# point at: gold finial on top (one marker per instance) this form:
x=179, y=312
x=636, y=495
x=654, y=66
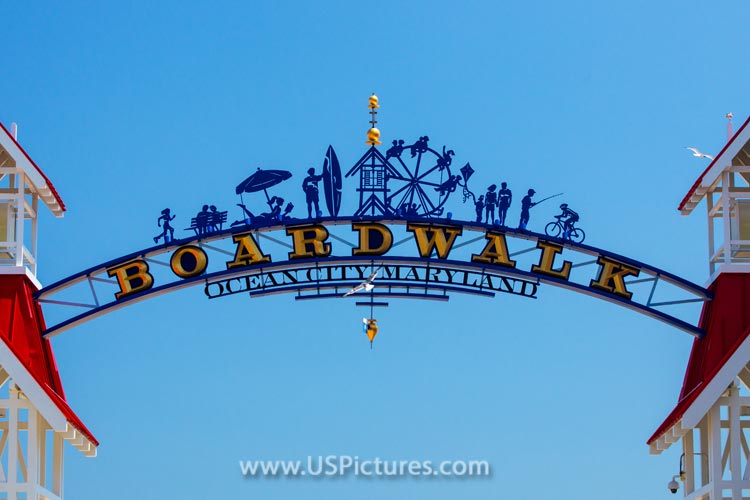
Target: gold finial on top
x=373, y=135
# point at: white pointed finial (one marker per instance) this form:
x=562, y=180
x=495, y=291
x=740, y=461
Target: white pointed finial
x=730, y=128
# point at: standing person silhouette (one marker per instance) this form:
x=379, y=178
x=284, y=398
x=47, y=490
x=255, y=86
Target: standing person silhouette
x=505, y=197
x=166, y=228
x=310, y=187
x=490, y=199
x=526, y=204
x=479, y=207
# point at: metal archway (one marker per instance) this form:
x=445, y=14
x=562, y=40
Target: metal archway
x=324, y=257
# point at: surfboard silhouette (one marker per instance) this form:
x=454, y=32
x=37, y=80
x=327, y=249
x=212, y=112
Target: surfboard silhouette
x=332, y=182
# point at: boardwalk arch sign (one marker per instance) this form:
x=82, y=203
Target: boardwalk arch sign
x=420, y=230
x=416, y=259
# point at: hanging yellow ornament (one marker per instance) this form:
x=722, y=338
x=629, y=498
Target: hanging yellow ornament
x=370, y=328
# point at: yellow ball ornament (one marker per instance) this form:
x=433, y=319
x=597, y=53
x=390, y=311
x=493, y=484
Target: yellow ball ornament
x=373, y=137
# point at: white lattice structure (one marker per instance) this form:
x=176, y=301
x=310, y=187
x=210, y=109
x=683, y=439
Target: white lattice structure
x=722, y=433
x=712, y=416
x=35, y=419
x=725, y=185
x=22, y=186
x=31, y=451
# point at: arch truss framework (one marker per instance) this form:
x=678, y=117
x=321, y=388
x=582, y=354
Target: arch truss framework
x=325, y=257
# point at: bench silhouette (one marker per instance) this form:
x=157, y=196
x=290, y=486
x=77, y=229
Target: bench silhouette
x=207, y=223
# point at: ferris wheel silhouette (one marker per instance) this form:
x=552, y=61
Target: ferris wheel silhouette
x=423, y=181
x=409, y=181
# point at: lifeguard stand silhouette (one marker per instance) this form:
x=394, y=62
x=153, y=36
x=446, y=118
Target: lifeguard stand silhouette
x=35, y=419
x=374, y=171
x=712, y=415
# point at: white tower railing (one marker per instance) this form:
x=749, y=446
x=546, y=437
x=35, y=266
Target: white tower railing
x=35, y=420
x=22, y=187
x=18, y=209
x=726, y=187
x=728, y=207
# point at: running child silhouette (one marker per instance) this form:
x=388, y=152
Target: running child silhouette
x=166, y=228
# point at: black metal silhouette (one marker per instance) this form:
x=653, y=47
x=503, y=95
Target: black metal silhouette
x=449, y=186
x=216, y=219
x=201, y=220
x=564, y=226
x=395, y=150
x=420, y=146
x=479, y=207
x=208, y=220
x=167, y=230
x=526, y=205
x=505, y=197
x=445, y=160
x=261, y=180
x=274, y=215
x=467, y=172
x=549, y=197
x=374, y=171
x=287, y=210
x=555, y=230
x=409, y=189
x=310, y=187
x=410, y=197
x=332, y=182
x=412, y=210
x=490, y=200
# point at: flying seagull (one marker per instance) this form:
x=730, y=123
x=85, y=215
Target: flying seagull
x=699, y=154
x=365, y=285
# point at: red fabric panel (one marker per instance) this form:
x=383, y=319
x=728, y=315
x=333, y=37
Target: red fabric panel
x=21, y=327
x=726, y=321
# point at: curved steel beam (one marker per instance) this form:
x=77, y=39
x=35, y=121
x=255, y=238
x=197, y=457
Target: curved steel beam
x=90, y=278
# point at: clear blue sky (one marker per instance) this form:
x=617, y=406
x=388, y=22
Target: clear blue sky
x=149, y=104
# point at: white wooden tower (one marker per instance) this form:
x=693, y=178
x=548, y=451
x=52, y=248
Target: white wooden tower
x=712, y=417
x=725, y=186
x=35, y=418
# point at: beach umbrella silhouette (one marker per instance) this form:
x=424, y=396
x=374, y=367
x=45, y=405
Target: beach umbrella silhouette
x=262, y=180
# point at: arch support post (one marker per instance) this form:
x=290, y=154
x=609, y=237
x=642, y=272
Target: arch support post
x=715, y=453
x=34, y=467
x=712, y=416
x=35, y=419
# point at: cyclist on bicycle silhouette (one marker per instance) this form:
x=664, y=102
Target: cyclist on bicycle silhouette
x=568, y=218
